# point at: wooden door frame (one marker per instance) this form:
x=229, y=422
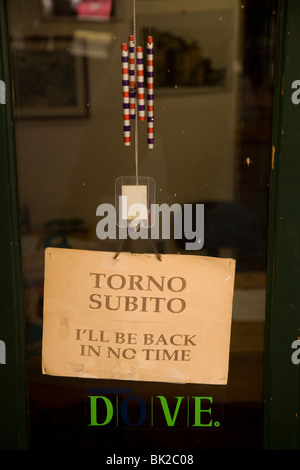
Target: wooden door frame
x=282, y=391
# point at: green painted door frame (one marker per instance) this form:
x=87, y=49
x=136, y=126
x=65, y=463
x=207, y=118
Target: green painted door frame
x=282, y=391
x=13, y=403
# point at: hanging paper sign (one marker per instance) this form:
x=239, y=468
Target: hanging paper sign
x=135, y=317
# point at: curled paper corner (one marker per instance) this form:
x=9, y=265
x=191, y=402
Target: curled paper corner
x=46, y=370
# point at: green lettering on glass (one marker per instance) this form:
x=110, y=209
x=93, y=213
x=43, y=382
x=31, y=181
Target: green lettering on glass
x=93, y=407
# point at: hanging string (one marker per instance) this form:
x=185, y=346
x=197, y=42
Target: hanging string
x=136, y=138
x=149, y=16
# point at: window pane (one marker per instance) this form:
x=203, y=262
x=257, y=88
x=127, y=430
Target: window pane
x=213, y=91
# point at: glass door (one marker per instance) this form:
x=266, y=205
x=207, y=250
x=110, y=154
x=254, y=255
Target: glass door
x=214, y=79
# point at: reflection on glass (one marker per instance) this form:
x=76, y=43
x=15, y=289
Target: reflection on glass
x=213, y=112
